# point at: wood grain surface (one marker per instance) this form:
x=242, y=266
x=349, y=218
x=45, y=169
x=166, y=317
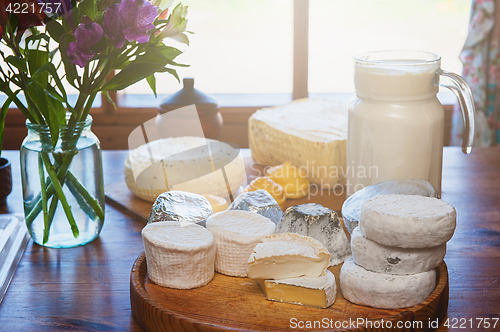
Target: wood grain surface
x=158, y=308
x=88, y=288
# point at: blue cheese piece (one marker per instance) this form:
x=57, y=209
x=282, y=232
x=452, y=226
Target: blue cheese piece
x=393, y=260
x=321, y=223
x=407, y=221
x=260, y=202
x=351, y=208
x=384, y=291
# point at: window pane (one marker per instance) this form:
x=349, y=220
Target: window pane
x=341, y=29
x=239, y=46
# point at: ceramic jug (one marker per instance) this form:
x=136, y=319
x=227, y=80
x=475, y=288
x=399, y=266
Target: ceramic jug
x=396, y=122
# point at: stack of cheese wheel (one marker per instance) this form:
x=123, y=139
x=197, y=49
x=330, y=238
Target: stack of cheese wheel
x=292, y=268
x=399, y=242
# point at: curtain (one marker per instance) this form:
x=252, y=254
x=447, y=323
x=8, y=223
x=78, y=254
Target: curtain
x=481, y=70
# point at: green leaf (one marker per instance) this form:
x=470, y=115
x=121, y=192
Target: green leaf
x=110, y=100
x=132, y=74
x=55, y=30
x=3, y=113
x=173, y=72
x=51, y=69
x=34, y=38
x=70, y=68
x=36, y=60
x=88, y=7
x=49, y=107
x=152, y=83
x=18, y=62
x=166, y=52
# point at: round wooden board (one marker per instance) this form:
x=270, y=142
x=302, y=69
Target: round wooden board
x=230, y=304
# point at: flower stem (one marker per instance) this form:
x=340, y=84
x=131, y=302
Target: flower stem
x=52, y=212
x=60, y=193
x=91, y=201
x=44, y=196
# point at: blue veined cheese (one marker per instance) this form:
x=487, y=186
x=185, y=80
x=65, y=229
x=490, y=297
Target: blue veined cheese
x=236, y=234
x=385, y=291
x=407, y=221
x=393, y=260
x=311, y=134
x=321, y=223
x=315, y=292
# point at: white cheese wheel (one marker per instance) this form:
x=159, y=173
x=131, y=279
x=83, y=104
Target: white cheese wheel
x=288, y=255
x=311, y=134
x=407, y=221
x=315, y=292
x=321, y=223
x=236, y=234
x=192, y=164
x=179, y=256
x=385, y=291
x=393, y=260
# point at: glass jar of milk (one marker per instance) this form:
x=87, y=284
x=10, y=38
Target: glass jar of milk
x=396, y=122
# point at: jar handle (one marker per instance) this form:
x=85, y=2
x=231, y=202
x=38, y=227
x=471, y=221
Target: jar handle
x=461, y=89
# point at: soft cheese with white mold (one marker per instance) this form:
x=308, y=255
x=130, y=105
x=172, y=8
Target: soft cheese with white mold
x=393, y=260
x=315, y=292
x=236, y=234
x=179, y=256
x=407, y=221
x=288, y=255
x=321, y=223
x=311, y=134
x=385, y=291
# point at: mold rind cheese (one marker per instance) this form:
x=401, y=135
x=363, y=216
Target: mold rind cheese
x=384, y=291
x=321, y=223
x=315, y=292
x=288, y=255
x=179, y=256
x=407, y=221
x=236, y=234
x=393, y=260
x=311, y=134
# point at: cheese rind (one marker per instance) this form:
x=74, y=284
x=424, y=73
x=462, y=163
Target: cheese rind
x=385, y=291
x=287, y=255
x=236, y=234
x=393, y=260
x=321, y=223
x=311, y=134
x=179, y=256
x=407, y=221
x=315, y=292
x=191, y=164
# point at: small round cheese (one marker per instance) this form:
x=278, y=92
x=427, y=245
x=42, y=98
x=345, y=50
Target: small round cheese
x=407, y=221
x=385, y=291
x=236, y=235
x=393, y=260
x=179, y=256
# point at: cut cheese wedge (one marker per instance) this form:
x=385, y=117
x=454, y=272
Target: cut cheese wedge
x=218, y=203
x=288, y=255
x=315, y=292
x=236, y=233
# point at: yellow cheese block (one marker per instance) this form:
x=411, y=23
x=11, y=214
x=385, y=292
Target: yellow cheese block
x=315, y=292
x=218, y=203
x=293, y=179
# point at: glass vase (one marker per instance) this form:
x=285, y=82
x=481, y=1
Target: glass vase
x=63, y=186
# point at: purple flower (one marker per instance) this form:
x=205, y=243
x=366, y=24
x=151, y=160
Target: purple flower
x=86, y=35
x=129, y=20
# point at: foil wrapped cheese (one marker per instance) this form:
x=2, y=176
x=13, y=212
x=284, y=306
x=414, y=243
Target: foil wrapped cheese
x=260, y=202
x=180, y=206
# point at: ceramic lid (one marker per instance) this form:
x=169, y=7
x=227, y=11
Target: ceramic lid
x=188, y=95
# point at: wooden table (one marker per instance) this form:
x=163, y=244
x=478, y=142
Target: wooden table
x=87, y=288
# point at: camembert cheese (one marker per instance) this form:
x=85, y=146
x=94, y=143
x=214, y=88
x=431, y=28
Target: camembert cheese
x=288, y=255
x=236, y=234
